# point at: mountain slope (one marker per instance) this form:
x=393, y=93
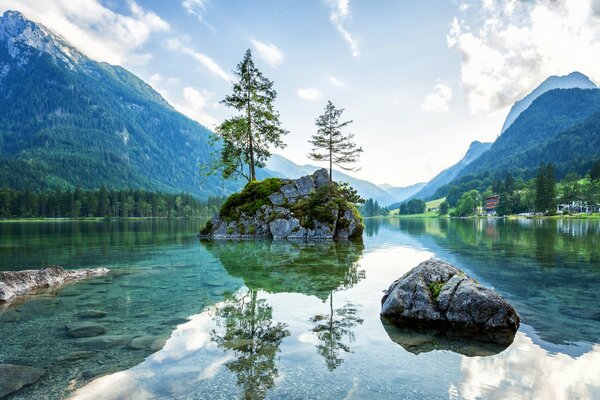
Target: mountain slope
x=67, y=120
x=519, y=148
x=573, y=80
x=280, y=166
x=476, y=149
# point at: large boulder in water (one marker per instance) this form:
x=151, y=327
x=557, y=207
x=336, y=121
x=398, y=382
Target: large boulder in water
x=437, y=295
x=303, y=208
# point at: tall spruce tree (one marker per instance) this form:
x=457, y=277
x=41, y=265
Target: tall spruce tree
x=540, y=189
x=550, y=189
x=330, y=144
x=248, y=136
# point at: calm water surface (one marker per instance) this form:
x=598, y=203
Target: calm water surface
x=286, y=320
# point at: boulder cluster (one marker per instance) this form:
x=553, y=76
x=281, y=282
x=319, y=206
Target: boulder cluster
x=286, y=214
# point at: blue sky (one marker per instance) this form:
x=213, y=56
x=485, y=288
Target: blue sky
x=420, y=79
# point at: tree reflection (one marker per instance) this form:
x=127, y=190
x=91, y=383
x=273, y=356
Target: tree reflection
x=254, y=339
x=333, y=328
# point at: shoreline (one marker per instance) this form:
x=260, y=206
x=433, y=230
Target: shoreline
x=95, y=219
x=595, y=216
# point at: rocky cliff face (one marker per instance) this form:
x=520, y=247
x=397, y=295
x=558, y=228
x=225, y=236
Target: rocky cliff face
x=286, y=209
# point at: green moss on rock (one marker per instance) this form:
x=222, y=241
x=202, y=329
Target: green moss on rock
x=251, y=199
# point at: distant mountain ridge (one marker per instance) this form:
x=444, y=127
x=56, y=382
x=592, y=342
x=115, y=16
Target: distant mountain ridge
x=551, y=114
x=476, y=149
x=570, y=81
x=403, y=193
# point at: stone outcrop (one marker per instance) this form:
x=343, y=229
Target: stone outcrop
x=437, y=295
x=283, y=215
x=14, y=284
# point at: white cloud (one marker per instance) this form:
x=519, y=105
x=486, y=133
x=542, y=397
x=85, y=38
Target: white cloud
x=94, y=29
x=438, y=99
x=269, y=53
x=194, y=104
x=311, y=94
x=336, y=82
x=340, y=13
x=517, y=44
x=210, y=64
x=197, y=8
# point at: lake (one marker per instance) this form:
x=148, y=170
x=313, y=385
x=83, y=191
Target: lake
x=287, y=320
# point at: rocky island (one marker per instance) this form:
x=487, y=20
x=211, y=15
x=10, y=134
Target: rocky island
x=436, y=295
x=303, y=208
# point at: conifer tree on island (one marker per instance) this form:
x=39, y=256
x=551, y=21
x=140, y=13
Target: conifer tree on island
x=248, y=136
x=330, y=144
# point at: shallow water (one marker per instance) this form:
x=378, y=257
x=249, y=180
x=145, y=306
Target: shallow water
x=261, y=319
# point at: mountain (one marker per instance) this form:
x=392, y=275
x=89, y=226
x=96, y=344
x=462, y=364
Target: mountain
x=573, y=80
x=476, y=149
x=280, y=166
x=402, y=193
x=67, y=120
x=534, y=136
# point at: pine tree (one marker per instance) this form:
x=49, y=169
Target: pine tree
x=595, y=172
x=247, y=137
x=540, y=189
x=330, y=144
x=550, y=190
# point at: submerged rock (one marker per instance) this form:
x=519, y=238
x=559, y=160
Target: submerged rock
x=14, y=284
x=287, y=209
x=92, y=314
x=14, y=377
x=439, y=296
x=85, y=329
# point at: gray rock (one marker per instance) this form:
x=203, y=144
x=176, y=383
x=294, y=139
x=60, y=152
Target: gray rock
x=77, y=355
x=85, y=329
x=289, y=191
x=282, y=228
x=92, y=314
x=20, y=283
x=321, y=178
x=438, y=295
x=158, y=344
x=142, y=342
x=104, y=342
x=277, y=198
x=175, y=321
x=305, y=185
x=14, y=377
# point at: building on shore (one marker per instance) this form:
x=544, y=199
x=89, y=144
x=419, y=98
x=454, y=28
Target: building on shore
x=491, y=203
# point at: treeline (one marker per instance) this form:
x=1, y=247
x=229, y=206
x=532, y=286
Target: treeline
x=103, y=203
x=414, y=206
x=371, y=208
x=539, y=195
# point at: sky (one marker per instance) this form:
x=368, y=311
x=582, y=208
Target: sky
x=420, y=79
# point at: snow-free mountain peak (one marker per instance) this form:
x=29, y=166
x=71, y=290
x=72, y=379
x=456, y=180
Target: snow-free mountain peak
x=573, y=80
x=22, y=37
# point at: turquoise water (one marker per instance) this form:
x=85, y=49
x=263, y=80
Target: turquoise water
x=286, y=320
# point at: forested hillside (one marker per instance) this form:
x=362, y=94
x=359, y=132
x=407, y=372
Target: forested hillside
x=67, y=120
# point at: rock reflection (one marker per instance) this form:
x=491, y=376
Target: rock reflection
x=419, y=341
x=253, y=338
x=310, y=268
